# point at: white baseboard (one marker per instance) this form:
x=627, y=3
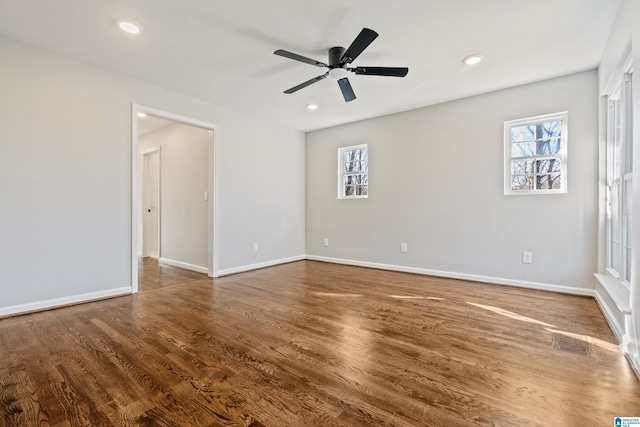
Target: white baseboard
x=186, y=266
x=60, y=302
x=617, y=329
x=463, y=276
x=635, y=363
x=250, y=267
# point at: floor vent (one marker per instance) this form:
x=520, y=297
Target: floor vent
x=573, y=345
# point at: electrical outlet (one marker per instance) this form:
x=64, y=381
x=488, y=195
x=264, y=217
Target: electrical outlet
x=527, y=258
x=326, y=241
x=255, y=247
x=403, y=247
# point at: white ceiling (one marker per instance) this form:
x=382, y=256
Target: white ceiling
x=222, y=51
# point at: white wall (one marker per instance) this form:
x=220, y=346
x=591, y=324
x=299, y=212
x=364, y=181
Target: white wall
x=184, y=176
x=436, y=183
x=625, y=38
x=65, y=179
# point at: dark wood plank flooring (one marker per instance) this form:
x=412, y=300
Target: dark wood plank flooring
x=314, y=344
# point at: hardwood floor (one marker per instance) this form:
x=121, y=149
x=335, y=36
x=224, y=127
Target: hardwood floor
x=314, y=344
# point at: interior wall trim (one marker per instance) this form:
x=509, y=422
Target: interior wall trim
x=184, y=265
x=615, y=327
x=635, y=363
x=61, y=302
x=257, y=266
x=54, y=303
x=462, y=276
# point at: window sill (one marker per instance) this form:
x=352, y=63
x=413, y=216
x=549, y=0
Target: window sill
x=617, y=291
x=509, y=192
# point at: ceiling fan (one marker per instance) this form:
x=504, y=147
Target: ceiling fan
x=339, y=59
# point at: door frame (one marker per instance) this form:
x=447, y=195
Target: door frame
x=136, y=189
x=142, y=242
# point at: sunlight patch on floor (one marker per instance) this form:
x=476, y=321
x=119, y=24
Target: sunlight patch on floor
x=331, y=294
x=551, y=328
x=509, y=314
x=415, y=297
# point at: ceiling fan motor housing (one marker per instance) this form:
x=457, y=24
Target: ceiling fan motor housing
x=335, y=55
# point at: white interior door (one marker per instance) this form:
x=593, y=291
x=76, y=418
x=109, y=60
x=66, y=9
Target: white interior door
x=151, y=195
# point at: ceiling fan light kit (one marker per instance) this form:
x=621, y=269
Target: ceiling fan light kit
x=339, y=59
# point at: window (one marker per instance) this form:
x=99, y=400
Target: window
x=536, y=154
x=619, y=180
x=353, y=172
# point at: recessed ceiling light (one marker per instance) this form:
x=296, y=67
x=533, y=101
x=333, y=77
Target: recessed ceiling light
x=141, y=114
x=472, y=59
x=312, y=107
x=130, y=27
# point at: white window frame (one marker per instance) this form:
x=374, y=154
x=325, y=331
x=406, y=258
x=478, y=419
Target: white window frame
x=342, y=173
x=619, y=175
x=508, y=125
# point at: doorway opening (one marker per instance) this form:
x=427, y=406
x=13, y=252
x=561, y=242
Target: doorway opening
x=173, y=191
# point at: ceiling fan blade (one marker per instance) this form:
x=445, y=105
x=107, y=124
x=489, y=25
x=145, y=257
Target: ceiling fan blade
x=307, y=83
x=381, y=71
x=300, y=58
x=361, y=42
x=347, y=90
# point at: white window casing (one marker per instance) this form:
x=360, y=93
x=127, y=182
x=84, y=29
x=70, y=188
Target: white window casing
x=535, y=155
x=619, y=184
x=353, y=172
